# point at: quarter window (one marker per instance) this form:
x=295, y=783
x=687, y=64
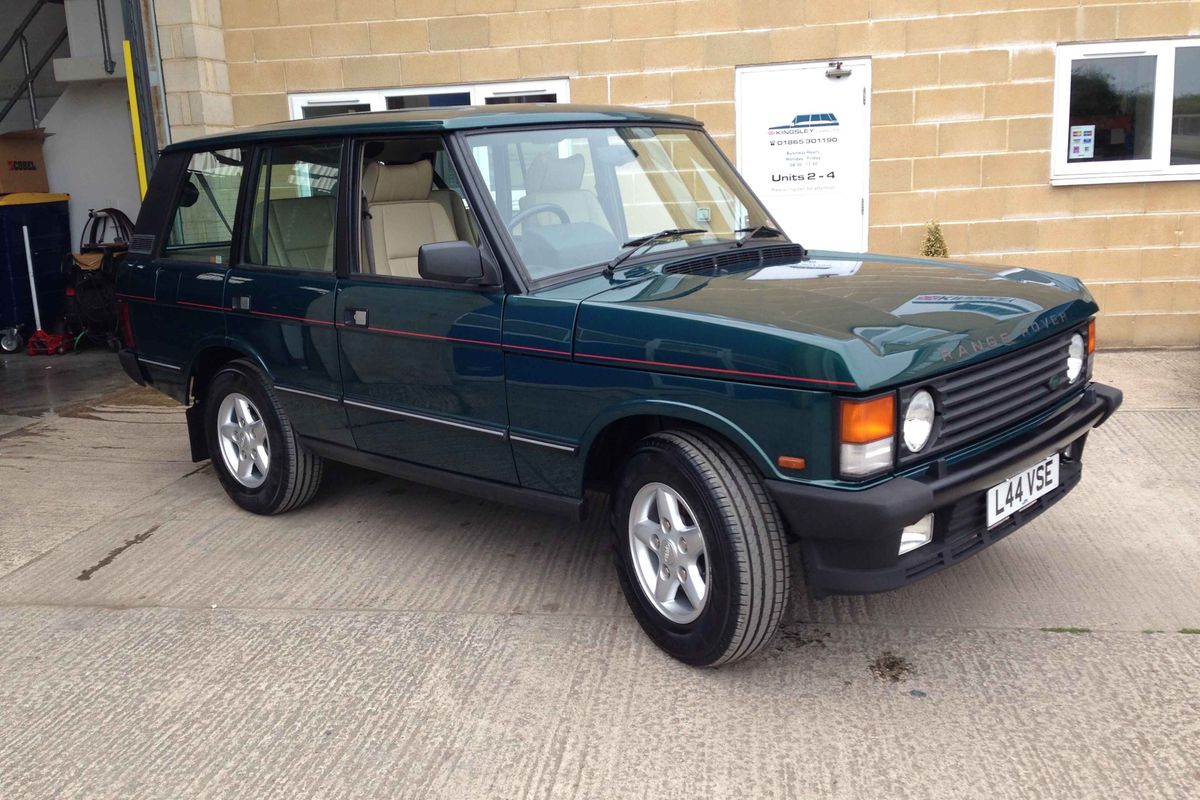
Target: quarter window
x=202, y=225
x=1127, y=111
x=294, y=213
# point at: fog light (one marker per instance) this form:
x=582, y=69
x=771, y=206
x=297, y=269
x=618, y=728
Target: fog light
x=1075, y=355
x=916, y=535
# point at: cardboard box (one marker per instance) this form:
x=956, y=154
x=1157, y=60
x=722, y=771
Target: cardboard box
x=22, y=168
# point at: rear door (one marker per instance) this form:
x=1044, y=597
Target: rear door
x=174, y=278
x=280, y=296
x=421, y=362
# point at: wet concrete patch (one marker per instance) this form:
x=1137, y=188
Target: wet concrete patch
x=890, y=667
x=87, y=574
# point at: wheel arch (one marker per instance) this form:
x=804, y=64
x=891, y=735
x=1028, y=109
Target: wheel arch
x=612, y=435
x=208, y=360
x=210, y=357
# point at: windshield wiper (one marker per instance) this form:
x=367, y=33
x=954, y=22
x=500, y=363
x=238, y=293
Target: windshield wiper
x=634, y=245
x=758, y=230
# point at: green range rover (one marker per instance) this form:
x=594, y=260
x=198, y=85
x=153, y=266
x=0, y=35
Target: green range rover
x=522, y=303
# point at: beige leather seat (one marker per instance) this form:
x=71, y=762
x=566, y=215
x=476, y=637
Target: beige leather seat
x=558, y=181
x=453, y=203
x=405, y=215
x=300, y=234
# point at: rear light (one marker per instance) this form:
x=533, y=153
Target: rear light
x=867, y=435
x=125, y=322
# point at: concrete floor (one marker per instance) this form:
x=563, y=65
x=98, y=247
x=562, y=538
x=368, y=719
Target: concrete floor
x=396, y=641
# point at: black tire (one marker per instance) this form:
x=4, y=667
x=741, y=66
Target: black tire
x=293, y=475
x=748, y=573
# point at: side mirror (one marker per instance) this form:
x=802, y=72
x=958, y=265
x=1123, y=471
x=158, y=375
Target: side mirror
x=453, y=262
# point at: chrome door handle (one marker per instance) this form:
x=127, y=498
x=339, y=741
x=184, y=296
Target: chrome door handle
x=356, y=317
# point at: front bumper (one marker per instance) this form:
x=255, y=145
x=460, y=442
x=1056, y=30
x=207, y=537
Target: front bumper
x=850, y=539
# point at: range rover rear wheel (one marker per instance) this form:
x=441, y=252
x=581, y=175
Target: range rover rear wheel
x=699, y=548
x=257, y=456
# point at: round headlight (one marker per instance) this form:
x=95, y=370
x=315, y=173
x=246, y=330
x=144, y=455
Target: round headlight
x=1076, y=352
x=918, y=421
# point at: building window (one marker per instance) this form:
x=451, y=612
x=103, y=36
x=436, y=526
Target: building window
x=324, y=104
x=1126, y=112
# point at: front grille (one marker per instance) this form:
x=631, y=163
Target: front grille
x=986, y=398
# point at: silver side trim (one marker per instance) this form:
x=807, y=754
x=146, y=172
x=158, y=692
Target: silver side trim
x=315, y=395
x=427, y=418
x=163, y=364
x=566, y=448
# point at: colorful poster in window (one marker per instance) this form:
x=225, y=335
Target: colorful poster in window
x=1083, y=142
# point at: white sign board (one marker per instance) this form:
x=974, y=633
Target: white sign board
x=803, y=142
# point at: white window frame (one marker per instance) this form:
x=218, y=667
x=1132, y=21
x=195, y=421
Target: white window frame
x=1064, y=172
x=377, y=98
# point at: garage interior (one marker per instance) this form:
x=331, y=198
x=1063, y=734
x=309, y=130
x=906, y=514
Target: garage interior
x=71, y=169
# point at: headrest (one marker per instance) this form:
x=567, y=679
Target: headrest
x=550, y=174
x=392, y=183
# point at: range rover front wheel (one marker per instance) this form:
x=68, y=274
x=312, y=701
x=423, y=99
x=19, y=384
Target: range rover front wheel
x=699, y=548
x=255, y=452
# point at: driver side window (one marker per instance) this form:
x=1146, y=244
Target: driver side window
x=548, y=192
x=410, y=196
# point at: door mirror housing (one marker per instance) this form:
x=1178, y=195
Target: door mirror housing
x=455, y=262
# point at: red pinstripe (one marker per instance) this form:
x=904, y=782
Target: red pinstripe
x=594, y=356
x=716, y=369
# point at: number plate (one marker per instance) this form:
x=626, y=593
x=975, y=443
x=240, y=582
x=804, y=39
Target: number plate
x=1022, y=489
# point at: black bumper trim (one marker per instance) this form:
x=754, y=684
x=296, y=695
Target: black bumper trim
x=851, y=538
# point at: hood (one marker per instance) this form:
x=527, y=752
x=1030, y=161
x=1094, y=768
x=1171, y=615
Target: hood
x=854, y=322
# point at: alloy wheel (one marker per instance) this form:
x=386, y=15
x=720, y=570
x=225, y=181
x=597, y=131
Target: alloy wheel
x=243, y=438
x=668, y=550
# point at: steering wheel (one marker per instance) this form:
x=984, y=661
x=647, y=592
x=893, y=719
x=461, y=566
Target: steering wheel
x=541, y=208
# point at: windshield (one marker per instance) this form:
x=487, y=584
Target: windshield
x=573, y=197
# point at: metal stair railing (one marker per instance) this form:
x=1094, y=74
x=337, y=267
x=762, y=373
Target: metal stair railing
x=31, y=74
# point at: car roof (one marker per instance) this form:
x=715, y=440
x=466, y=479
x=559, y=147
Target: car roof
x=455, y=118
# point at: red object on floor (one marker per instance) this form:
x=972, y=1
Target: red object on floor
x=48, y=344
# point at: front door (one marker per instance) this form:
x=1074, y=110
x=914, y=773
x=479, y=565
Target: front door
x=280, y=297
x=422, y=369
x=803, y=144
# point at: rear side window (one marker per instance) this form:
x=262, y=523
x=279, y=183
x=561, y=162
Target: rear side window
x=293, y=220
x=202, y=223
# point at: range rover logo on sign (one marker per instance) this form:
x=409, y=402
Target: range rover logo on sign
x=802, y=122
